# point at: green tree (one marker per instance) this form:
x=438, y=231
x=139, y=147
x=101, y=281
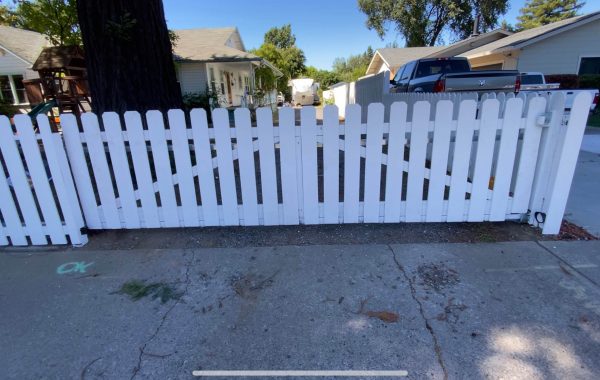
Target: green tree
x=7, y=16
x=56, y=19
x=541, y=12
x=282, y=37
x=280, y=49
x=351, y=68
x=421, y=22
x=324, y=77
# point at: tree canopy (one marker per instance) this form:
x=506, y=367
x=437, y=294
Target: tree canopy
x=351, y=68
x=279, y=48
x=281, y=37
x=56, y=19
x=421, y=22
x=541, y=12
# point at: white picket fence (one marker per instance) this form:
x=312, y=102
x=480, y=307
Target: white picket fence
x=156, y=171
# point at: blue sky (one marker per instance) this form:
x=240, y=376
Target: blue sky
x=324, y=29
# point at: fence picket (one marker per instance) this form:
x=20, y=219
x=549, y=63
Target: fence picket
x=39, y=179
x=13, y=226
x=20, y=183
x=3, y=239
x=439, y=161
x=243, y=135
x=268, y=170
x=416, y=161
x=225, y=160
x=352, y=163
x=183, y=168
x=310, y=184
x=529, y=154
x=372, y=179
x=162, y=166
x=81, y=174
x=483, y=161
x=121, y=170
x=395, y=162
x=206, y=174
x=558, y=192
x=506, y=158
x=104, y=182
x=287, y=156
x=141, y=167
x=461, y=160
x=331, y=164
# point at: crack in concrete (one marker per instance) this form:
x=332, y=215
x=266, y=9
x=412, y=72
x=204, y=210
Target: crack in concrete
x=413, y=292
x=138, y=367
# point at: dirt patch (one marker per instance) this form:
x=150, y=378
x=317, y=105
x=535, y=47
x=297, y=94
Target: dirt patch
x=451, y=311
x=384, y=316
x=570, y=231
x=249, y=286
x=437, y=276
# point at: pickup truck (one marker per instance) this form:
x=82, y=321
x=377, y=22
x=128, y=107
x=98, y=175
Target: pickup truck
x=452, y=75
x=535, y=81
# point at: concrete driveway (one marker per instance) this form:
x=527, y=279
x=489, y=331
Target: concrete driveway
x=583, y=207
x=521, y=310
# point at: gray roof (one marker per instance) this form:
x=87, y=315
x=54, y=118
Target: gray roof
x=206, y=45
x=396, y=57
x=26, y=44
x=470, y=43
x=525, y=37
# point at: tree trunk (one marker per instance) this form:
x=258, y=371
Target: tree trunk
x=128, y=55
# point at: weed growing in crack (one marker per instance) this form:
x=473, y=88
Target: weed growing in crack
x=136, y=290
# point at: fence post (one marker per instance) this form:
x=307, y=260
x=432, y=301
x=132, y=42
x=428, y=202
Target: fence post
x=557, y=161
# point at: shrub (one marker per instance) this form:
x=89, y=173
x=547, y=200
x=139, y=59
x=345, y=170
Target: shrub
x=565, y=80
x=7, y=109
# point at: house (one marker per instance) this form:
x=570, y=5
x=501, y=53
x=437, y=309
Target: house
x=565, y=47
x=18, y=51
x=390, y=59
x=216, y=60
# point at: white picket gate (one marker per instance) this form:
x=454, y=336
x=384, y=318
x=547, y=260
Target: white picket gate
x=494, y=161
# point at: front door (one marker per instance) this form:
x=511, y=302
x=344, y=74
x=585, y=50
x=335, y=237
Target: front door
x=229, y=96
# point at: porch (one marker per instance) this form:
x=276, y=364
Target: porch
x=231, y=83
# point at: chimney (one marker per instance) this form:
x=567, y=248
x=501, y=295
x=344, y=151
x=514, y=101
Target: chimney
x=476, y=26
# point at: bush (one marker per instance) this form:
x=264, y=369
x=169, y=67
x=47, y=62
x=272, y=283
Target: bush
x=589, y=81
x=565, y=80
x=202, y=100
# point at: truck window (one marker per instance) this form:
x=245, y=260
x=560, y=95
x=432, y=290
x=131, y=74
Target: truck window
x=408, y=70
x=399, y=74
x=532, y=79
x=441, y=66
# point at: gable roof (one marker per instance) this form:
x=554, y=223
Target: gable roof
x=530, y=36
x=470, y=43
x=25, y=44
x=396, y=57
x=206, y=45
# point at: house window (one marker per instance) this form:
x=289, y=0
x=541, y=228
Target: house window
x=247, y=84
x=240, y=81
x=589, y=65
x=12, y=89
x=213, y=84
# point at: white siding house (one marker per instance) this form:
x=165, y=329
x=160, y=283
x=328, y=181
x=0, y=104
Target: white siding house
x=216, y=60
x=18, y=50
x=556, y=48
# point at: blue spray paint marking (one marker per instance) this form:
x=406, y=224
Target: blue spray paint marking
x=73, y=267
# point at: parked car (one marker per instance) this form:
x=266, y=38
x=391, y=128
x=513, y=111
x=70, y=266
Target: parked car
x=570, y=95
x=451, y=75
x=535, y=81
